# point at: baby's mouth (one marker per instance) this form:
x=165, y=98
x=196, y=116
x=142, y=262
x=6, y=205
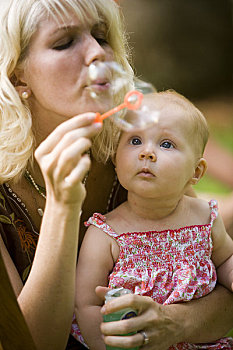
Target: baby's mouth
x=146, y=172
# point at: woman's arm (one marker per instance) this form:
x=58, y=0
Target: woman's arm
x=222, y=253
x=225, y=273
x=47, y=298
x=198, y=321
x=94, y=265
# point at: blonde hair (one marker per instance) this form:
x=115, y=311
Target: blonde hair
x=19, y=20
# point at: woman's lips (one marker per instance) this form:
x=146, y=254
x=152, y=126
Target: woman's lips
x=98, y=86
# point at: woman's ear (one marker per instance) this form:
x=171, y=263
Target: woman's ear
x=23, y=91
x=199, y=171
x=20, y=84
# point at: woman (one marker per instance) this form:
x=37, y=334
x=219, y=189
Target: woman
x=46, y=49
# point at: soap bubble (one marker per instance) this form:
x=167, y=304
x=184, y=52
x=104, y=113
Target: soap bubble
x=110, y=78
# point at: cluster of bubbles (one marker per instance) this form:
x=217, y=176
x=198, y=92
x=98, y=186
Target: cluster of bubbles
x=132, y=114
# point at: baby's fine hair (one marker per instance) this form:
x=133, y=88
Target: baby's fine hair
x=19, y=19
x=199, y=124
x=200, y=130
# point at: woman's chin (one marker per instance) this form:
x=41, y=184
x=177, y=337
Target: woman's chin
x=98, y=105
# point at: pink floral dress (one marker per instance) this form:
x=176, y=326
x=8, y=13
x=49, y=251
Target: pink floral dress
x=169, y=266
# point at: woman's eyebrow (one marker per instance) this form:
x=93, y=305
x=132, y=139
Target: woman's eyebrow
x=71, y=27
x=65, y=28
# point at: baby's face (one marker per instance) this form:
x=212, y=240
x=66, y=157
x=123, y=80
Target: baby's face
x=160, y=159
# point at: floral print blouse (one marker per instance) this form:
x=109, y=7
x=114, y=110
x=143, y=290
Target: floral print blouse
x=17, y=231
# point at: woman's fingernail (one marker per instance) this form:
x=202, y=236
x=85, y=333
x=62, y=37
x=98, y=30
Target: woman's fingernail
x=98, y=125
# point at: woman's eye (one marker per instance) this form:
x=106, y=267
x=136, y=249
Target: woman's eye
x=101, y=39
x=166, y=144
x=100, y=33
x=63, y=46
x=135, y=141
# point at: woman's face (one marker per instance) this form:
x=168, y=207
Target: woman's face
x=56, y=68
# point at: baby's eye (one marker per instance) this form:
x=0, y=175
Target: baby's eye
x=63, y=46
x=166, y=144
x=135, y=141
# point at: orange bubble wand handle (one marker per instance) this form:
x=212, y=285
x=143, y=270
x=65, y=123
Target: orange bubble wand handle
x=132, y=100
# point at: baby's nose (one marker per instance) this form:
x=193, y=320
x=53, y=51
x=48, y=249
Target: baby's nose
x=147, y=155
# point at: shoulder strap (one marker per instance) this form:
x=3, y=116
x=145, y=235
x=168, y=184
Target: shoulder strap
x=99, y=220
x=213, y=210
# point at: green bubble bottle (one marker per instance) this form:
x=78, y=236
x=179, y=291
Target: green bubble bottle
x=122, y=314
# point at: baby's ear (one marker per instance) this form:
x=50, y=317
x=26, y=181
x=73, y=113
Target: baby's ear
x=199, y=171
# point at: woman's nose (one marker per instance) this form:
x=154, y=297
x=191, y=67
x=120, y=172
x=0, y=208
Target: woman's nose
x=150, y=155
x=94, y=51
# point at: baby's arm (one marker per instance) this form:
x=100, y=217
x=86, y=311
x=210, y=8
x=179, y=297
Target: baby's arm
x=223, y=253
x=94, y=265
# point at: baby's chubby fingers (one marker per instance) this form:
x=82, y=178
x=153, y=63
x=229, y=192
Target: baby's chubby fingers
x=101, y=291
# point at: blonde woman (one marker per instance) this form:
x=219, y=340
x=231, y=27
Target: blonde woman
x=46, y=49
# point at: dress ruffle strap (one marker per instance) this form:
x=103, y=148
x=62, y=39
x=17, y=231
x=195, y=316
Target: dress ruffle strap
x=99, y=220
x=213, y=210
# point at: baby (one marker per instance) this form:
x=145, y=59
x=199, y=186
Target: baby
x=160, y=243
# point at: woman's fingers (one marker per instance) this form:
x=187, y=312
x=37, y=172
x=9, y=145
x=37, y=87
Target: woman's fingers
x=130, y=300
x=66, y=169
x=152, y=319
x=68, y=158
x=83, y=125
x=126, y=342
x=79, y=172
x=63, y=160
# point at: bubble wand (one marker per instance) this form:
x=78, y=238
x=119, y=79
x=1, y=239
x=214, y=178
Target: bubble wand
x=132, y=101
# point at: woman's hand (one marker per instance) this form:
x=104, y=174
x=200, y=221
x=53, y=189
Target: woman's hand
x=63, y=158
x=153, y=319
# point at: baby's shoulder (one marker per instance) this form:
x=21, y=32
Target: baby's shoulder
x=200, y=208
